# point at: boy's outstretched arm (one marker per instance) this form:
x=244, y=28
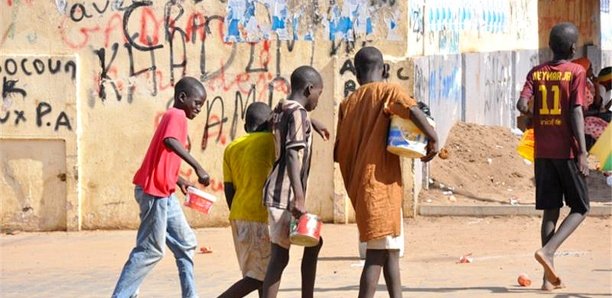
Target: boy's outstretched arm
x=296, y=182
x=578, y=128
x=420, y=120
x=320, y=129
x=176, y=146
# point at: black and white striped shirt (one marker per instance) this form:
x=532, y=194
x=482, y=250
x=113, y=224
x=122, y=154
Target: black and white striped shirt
x=292, y=130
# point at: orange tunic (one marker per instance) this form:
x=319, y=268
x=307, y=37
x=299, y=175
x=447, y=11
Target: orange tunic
x=372, y=175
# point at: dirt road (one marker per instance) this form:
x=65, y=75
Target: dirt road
x=87, y=264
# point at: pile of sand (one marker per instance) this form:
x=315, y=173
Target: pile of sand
x=482, y=168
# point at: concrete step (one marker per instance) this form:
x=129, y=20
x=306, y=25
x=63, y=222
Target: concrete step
x=529, y=210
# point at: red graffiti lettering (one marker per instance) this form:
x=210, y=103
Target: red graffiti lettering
x=149, y=27
x=84, y=36
x=113, y=24
x=196, y=22
x=217, y=131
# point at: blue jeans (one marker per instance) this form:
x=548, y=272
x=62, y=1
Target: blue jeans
x=161, y=220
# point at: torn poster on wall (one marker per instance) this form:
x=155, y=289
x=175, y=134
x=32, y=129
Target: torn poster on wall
x=291, y=20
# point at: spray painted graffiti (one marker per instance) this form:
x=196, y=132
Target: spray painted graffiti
x=19, y=107
x=498, y=95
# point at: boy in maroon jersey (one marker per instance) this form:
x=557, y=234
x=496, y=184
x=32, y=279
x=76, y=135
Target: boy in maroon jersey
x=557, y=90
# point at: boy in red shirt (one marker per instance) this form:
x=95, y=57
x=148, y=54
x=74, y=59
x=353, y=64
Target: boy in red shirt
x=557, y=90
x=162, y=220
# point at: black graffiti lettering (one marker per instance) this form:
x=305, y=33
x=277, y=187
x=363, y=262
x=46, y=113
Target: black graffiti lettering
x=78, y=12
x=5, y=118
x=183, y=64
x=349, y=87
x=168, y=22
x=62, y=120
x=171, y=30
x=42, y=110
x=240, y=107
x=401, y=75
x=23, y=67
x=334, y=47
x=348, y=66
x=8, y=62
x=204, y=74
x=8, y=88
x=101, y=53
x=101, y=10
x=39, y=66
x=217, y=122
x=278, y=78
x=290, y=45
x=71, y=68
x=349, y=46
x=249, y=68
x=271, y=86
x=131, y=38
x=20, y=117
x=134, y=73
x=53, y=70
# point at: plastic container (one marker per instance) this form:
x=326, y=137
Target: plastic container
x=406, y=139
x=306, y=231
x=525, y=147
x=199, y=200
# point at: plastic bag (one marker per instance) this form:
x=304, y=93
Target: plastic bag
x=525, y=147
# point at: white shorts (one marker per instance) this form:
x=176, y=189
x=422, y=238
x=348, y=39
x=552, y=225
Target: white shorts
x=390, y=242
x=387, y=242
x=279, y=221
x=252, y=244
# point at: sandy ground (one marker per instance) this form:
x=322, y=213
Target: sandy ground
x=87, y=264
x=483, y=168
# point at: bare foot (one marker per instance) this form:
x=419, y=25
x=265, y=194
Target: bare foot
x=548, y=286
x=549, y=270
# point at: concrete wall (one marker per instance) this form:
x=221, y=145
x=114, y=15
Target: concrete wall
x=605, y=17
x=85, y=83
x=117, y=63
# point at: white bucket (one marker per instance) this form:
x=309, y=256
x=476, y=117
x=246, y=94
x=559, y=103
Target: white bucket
x=406, y=139
x=199, y=200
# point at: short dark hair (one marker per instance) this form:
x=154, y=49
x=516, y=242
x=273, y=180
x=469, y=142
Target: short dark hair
x=367, y=59
x=562, y=37
x=257, y=116
x=190, y=86
x=304, y=75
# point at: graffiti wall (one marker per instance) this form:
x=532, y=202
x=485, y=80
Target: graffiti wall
x=126, y=58
x=99, y=74
x=38, y=142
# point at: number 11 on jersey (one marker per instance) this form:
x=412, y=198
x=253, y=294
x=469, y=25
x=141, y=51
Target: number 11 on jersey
x=556, y=110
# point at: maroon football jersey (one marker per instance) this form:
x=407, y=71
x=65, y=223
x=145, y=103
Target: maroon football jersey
x=555, y=88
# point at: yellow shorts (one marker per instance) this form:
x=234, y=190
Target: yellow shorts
x=279, y=221
x=252, y=244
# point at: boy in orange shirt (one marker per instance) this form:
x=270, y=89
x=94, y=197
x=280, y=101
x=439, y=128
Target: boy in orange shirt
x=371, y=174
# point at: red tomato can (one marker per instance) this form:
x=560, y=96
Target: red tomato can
x=306, y=231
